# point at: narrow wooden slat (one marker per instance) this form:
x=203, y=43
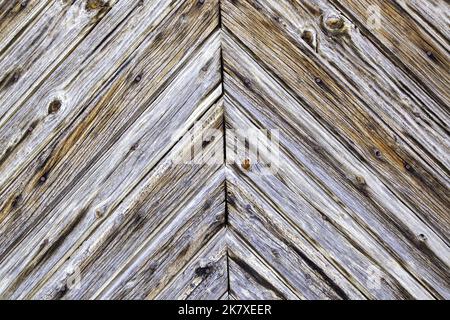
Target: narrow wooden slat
x=140, y=280
x=113, y=100
x=435, y=14
x=392, y=99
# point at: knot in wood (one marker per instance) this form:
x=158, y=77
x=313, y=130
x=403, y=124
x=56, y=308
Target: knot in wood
x=246, y=165
x=93, y=5
x=309, y=36
x=422, y=237
x=54, y=106
x=204, y=270
x=333, y=24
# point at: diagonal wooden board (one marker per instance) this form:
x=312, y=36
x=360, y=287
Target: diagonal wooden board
x=99, y=101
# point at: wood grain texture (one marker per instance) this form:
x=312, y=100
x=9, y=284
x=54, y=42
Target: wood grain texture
x=357, y=191
x=101, y=101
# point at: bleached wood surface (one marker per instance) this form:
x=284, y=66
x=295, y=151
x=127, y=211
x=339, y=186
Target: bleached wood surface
x=96, y=97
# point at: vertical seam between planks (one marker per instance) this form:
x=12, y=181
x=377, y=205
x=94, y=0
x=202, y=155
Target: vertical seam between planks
x=224, y=144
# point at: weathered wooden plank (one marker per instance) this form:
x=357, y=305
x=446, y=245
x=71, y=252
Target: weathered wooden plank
x=154, y=130
x=341, y=112
x=204, y=278
x=141, y=216
x=312, y=234
x=16, y=16
x=246, y=287
x=97, y=119
x=392, y=99
x=332, y=179
x=417, y=53
x=251, y=278
x=101, y=101
x=61, y=98
x=299, y=274
x=296, y=260
x=140, y=279
x=113, y=100
x=344, y=263
x=433, y=15
x=31, y=60
x=56, y=34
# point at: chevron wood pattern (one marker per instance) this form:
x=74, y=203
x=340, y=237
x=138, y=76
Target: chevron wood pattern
x=224, y=149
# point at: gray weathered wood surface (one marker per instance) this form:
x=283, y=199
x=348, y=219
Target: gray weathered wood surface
x=99, y=99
